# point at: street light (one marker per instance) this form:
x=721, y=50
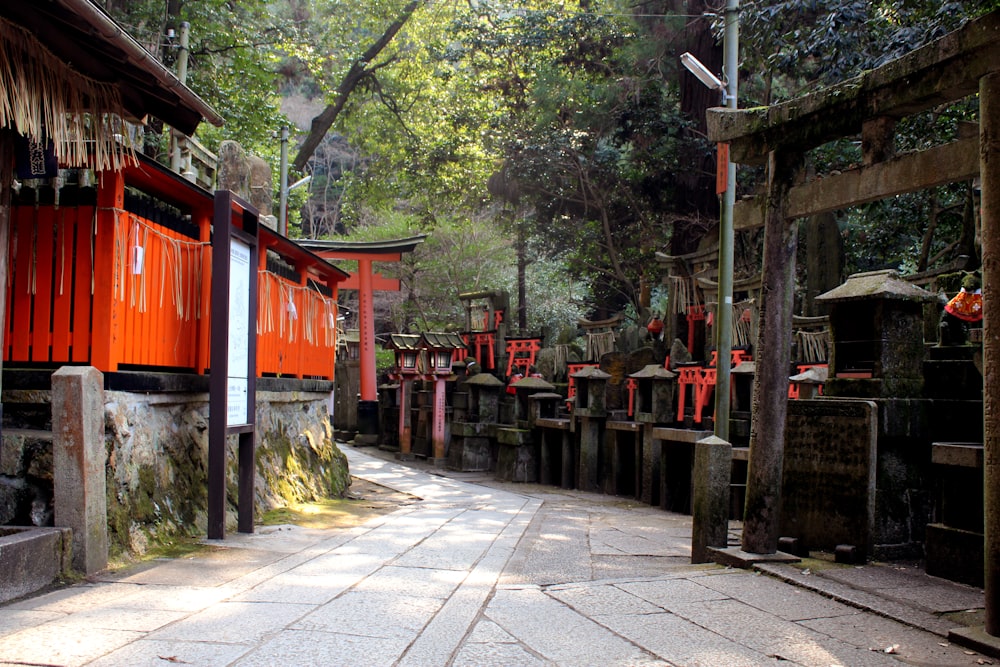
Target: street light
x=704, y=75
x=724, y=321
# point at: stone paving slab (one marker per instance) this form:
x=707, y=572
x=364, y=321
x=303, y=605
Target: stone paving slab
x=323, y=649
x=774, y=596
x=157, y=653
x=208, y=569
x=907, y=614
x=874, y=633
x=446, y=631
x=234, y=622
x=55, y=644
x=774, y=637
x=559, y=634
x=682, y=642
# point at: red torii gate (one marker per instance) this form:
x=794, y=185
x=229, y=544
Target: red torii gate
x=366, y=282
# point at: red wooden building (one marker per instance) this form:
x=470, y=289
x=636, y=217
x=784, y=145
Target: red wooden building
x=118, y=276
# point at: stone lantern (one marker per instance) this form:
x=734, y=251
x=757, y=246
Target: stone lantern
x=472, y=441
x=522, y=390
x=654, y=404
x=518, y=454
x=877, y=332
x=591, y=392
x=654, y=395
x=589, y=415
x=438, y=352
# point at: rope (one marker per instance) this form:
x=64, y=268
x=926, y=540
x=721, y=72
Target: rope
x=744, y=323
x=812, y=346
x=317, y=311
x=178, y=259
x=599, y=344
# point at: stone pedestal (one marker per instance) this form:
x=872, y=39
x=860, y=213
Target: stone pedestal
x=471, y=446
x=516, y=460
x=78, y=461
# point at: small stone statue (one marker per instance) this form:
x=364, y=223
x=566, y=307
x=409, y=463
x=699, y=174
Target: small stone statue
x=964, y=309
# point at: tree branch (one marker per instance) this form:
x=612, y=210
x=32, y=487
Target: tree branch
x=321, y=124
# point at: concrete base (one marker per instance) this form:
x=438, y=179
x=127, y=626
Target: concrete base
x=955, y=554
x=32, y=558
x=736, y=557
x=405, y=456
x=365, y=440
x=976, y=639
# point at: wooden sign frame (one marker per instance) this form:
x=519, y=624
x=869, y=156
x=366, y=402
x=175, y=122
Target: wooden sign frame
x=233, y=357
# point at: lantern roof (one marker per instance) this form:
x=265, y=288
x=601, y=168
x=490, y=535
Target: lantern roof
x=400, y=341
x=885, y=284
x=441, y=341
x=653, y=371
x=533, y=383
x=591, y=373
x=484, y=380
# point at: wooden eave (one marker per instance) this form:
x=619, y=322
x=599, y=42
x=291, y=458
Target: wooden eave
x=84, y=36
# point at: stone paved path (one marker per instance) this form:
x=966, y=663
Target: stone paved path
x=482, y=575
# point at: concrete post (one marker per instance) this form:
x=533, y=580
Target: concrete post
x=989, y=159
x=773, y=352
x=79, y=463
x=713, y=463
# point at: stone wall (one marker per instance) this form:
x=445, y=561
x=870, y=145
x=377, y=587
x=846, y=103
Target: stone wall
x=157, y=465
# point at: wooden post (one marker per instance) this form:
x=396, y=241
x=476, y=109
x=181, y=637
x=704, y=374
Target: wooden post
x=204, y=221
x=773, y=352
x=438, y=422
x=405, y=419
x=107, y=340
x=6, y=178
x=989, y=158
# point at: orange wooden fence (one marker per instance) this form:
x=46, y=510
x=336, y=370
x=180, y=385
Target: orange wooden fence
x=104, y=286
x=49, y=284
x=296, y=329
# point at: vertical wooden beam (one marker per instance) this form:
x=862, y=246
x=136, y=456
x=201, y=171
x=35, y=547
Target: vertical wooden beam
x=772, y=352
x=108, y=316
x=204, y=221
x=366, y=324
x=6, y=178
x=989, y=158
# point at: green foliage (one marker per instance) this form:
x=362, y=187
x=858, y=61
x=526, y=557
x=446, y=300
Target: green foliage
x=235, y=55
x=793, y=46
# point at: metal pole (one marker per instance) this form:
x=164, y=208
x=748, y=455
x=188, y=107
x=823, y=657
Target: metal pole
x=724, y=319
x=283, y=202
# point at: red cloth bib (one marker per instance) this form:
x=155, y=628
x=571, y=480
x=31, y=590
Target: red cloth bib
x=967, y=306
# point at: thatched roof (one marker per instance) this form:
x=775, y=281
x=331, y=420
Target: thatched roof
x=70, y=74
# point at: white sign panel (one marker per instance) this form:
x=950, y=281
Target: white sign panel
x=237, y=410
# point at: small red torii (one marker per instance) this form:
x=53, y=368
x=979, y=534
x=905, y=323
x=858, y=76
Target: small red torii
x=366, y=281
